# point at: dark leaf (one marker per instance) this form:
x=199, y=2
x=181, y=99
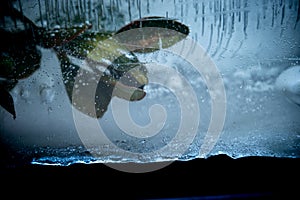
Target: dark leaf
x=126, y=89
x=59, y=36
x=155, y=21
x=7, y=102
x=19, y=57
x=83, y=43
x=151, y=34
x=79, y=100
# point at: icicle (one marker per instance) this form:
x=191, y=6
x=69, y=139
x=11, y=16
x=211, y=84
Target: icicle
x=57, y=12
x=139, y=8
x=273, y=15
x=203, y=18
x=258, y=20
x=210, y=38
x=47, y=13
x=148, y=6
x=245, y=18
x=282, y=14
x=129, y=11
x=298, y=15
x=41, y=15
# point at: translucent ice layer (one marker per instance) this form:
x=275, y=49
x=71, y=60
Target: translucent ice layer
x=254, y=45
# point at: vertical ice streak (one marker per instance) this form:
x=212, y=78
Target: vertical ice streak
x=85, y=6
x=181, y=11
x=258, y=21
x=264, y=8
x=245, y=18
x=218, y=14
x=103, y=13
x=139, y=8
x=129, y=11
x=57, y=12
x=148, y=7
x=230, y=31
x=21, y=11
x=175, y=9
x=97, y=21
x=118, y=5
x=80, y=9
x=196, y=37
x=233, y=16
x=86, y=11
x=73, y=6
x=63, y=7
x=239, y=9
x=102, y=9
x=298, y=15
x=90, y=8
x=282, y=14
x=275, y=9
x=72, y=9
x=203, y=18
x=220, y=21
x=215, y=11
x=225, y=14
x=51, y=12
x=232, y=19
x=273, y=14
x=120, y=2
x=41, y=15
x=196, y=6
x=47, y=13
x=210, y=38
x=233, y=7
x=186, y=9
x=69, y=9
x=111, y=6
x=68, y=13
x=210, y=7
x=219, y=45
x=290, y=4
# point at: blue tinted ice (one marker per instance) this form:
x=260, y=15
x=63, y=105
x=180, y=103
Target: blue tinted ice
x=253, y=44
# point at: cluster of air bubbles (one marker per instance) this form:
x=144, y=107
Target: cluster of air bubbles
x=47, y=94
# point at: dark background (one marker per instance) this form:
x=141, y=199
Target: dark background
x=217, y=177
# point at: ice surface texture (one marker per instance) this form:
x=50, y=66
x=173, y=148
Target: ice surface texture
x=254, y=44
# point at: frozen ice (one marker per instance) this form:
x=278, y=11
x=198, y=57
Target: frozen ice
x=47, y=94
x=255, y=46
x=288, y=82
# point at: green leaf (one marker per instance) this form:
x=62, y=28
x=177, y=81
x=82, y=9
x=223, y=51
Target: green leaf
x=156, y=21
x=151, y=34
x=83, y=43
x=59, y=36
